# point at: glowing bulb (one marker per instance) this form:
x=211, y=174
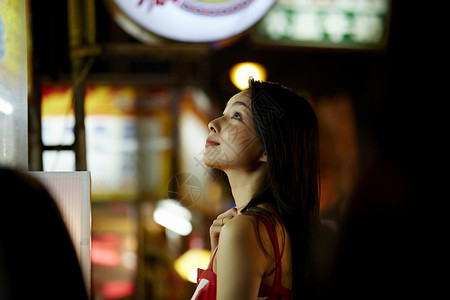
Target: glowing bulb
x=186, y=265
x=241, y=72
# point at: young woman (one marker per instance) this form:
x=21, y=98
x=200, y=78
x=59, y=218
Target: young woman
x=266, y=142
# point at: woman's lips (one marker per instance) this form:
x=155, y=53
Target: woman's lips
x=210, y=142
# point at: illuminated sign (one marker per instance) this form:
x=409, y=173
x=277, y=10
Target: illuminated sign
x=195, y=20
x=326, y=23
x=13, y=85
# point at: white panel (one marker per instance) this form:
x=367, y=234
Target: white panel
x=72, y=194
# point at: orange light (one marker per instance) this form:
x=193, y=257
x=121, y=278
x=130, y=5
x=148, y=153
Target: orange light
x=241, y=72
x=186, y=265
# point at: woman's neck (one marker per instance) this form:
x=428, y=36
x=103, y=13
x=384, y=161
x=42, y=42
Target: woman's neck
x=244, y=184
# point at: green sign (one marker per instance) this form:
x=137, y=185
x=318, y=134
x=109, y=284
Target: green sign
x=331, y=24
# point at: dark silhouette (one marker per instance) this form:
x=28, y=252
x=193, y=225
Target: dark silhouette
x=37, y=257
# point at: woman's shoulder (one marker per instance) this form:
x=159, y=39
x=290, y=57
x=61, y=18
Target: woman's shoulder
x=241, y=225
x=243, y=229
x=240, y=241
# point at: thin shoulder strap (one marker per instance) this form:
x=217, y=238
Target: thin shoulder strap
x=274, y=239
x=210, y=266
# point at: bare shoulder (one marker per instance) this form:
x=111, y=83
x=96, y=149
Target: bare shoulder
x=240, y=264
x=239, y=244
x=240, y=227
x=243, y=230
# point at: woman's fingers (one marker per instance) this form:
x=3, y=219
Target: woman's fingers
x=228, y=215
x=216, y=227
x=223, y=218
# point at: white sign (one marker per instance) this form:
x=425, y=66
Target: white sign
x=195, y=20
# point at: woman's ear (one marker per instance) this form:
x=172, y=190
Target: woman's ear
x=263, y=157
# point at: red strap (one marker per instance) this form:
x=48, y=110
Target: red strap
x=274, y=239
x=210, y=266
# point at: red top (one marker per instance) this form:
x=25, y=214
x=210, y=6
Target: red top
x=207, y=279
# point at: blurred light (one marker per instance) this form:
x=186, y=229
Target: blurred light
x=104, y=250
x=172, y=215
x=186, y=265
x=5, y=107
x=129, y=260
x=201, y=99
x=104, y=256
x=58, y=160
x=241, y=72
x=117, y=289
x=193, y=134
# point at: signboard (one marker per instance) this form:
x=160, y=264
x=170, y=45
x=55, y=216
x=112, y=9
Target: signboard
x=13, y=85
x=128, y=139
x=327, y=23
x=195, y=20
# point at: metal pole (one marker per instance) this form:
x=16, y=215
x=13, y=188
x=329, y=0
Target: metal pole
x=75, y=26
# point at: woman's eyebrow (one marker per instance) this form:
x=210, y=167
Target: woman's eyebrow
x=240, y=103
x=237, y=103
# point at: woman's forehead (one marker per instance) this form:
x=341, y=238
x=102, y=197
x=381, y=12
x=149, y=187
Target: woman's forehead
x=243, y=96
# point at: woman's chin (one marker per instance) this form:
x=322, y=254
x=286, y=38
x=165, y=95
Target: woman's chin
x=211, y=164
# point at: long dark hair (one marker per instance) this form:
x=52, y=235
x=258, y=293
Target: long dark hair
x=286, y=125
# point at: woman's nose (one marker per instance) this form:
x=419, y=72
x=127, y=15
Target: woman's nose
x=214, y=126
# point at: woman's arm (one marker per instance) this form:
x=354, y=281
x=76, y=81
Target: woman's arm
x=241, y=262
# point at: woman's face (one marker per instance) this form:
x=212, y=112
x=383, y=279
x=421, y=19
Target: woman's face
x=232, y=142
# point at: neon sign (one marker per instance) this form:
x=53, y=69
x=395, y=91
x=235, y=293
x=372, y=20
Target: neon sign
x=195, y=20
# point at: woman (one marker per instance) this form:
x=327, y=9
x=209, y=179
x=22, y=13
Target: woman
x=266, y=142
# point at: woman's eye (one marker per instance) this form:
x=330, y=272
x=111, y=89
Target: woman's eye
x=237, y=116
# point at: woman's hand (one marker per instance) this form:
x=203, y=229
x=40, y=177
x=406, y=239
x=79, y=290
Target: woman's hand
x=216, y=227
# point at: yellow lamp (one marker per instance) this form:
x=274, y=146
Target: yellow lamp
x=186, y=265
x=241, y=72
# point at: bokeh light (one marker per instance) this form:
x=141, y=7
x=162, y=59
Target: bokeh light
x=241, y=72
